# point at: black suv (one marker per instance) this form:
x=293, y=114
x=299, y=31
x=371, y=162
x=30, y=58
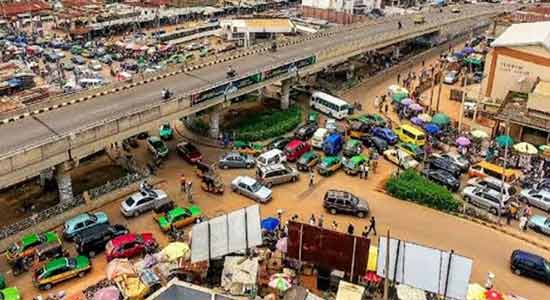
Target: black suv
x=306, y=131
x=442, y=177
x=377, y=143
x=92, y=241
x=336, y=201
x=531, y=265
x=446, y=165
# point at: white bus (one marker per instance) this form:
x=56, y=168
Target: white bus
x=330, y=105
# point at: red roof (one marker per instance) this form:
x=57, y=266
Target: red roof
x=33, y=6
x=149, y=3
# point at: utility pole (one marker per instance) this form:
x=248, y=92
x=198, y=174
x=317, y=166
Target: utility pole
x=461, y=118
x=387, y=266
x=478, y=100
x=507, y=124
x=432, y=91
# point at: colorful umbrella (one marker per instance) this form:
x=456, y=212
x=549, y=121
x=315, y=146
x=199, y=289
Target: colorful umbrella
x=475, y=292
x=270, y=224
x=415, y=107
x=525, y=148
x=280, y=282
x=176, y=250
x=493, y=295
x=432, y=128
x=463, y=141
x=504, y=140
x=282, y=245
x=425, y=117
x=108, y=293
x=441, y=119
x=407, y=101
x=479, y=134
x=417, y=121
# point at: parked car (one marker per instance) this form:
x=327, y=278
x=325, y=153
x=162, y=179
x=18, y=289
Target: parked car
x=157, y=147
x=539, y=223
x=295, y=149
x=77, y=60
x=271, y=157
x=400, y=158
x=188, y=152
x=537, y=198
x=352, y=147
x=143, y=201
x=415, y=151
x=95, y=65
x=352, y=166
x=442, y=177
x=60, y=269
x=166, y=132
x=83, y=221
x=307, y=161
x=235, y=159
x=444, y=164
x=386, y=134
x=130, y=245
x=247, y=148
x=10, y=293
x=530, y=265
x=178, y=217
x=451, y=77
x=106, y=59
x=319, y=137
x=276, y=174
x=333, y=144
x=42, y=245
x=485, y=198
x=493, y=184
x=251, y=188
x=336, y=201
x=456, y=159
x=91, y=241
x=278, y=143
x=377, y=143
x=67, y=66
x=329, y=165
x=306, y=131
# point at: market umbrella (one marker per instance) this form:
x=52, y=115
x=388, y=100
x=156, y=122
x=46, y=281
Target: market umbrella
x=441, y=119
x=493, y=295
x=270, y=223
x=463, y=141
x=280, y=282
x=108, y=293
x=425, y=117
x=475, y=292
x=468, y=50
x=525, y=148
x=415, y=107
x=406, y=292
x=504, y=140
x=479, y=134
x=407, y=101
x=282, y=245
x=431, y=128
x=417, y=121
x=176, y=250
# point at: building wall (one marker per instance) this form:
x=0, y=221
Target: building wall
x=192, y=3
x=331, y=15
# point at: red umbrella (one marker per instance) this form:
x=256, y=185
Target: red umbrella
x=372, y=277
x=493, y=295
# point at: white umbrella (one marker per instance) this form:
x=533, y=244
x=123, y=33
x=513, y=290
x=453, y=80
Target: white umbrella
x=479, y=134
x=525, y=148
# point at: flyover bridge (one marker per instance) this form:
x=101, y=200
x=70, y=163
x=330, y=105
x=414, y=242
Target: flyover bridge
x=60, y=135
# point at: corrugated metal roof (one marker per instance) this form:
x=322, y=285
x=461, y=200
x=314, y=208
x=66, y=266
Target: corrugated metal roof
x=13, y=9
x=525, y=34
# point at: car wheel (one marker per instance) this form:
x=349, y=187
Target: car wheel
x=225, y=167
x=493, y=211
x=135, y=214
x=81, y=274
x=269, y=184
x=361, y=214
x=333, y=211
x=294, y=178
x=47, y=286
x=517, y=272
x=91, y=253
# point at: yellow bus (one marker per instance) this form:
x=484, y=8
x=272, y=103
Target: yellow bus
x=484, y=168
x=410, y=134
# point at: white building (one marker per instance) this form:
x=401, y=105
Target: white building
x=245, y=31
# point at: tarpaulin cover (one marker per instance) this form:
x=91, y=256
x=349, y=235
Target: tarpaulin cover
x=239, y=274
x=349, y=291
x=270, y=223
x=108, y=293
x=119, y=266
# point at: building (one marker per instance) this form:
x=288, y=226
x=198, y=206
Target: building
x=246, y=31
x=339, y=11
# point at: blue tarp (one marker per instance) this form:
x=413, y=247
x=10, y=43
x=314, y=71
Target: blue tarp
x=270, y=224
x=431, y=128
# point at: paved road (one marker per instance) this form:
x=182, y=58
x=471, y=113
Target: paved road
x=28, y=131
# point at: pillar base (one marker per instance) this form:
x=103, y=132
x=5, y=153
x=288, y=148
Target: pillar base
x=64, y=182
x=285, y=94
x=215, y=123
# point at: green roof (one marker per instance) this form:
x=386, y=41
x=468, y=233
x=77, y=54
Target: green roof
x=358, y=158
x=352, y=143
x=179, y=211
x=56, y=263
x=331, y=160
x=309, y=155
x=29, y=239
x=82, y=262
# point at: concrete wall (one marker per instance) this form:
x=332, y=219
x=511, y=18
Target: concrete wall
x=331, y=15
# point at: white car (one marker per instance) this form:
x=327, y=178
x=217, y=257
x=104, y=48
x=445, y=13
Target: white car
x=488, y=199
x=60, y=53
x=401, y=158
x=142, y=201
x=95, y=65
x=451, y=77
x=456, y=159
x=537, y=198
x=251, y=188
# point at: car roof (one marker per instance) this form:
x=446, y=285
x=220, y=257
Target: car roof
x=123, y=239
x=357, y=158
x=274, y=167
x=527, y=255
x=331, y=159
x=153, y=138
x=309, y=155
x=294, y=143
x=56, y=263
x=79, y=218
x=247, y=180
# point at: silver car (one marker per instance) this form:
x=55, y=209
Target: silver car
x=537, y=198
x=276, y=174
x=235, y=159
x=251, y=188
x=142, y=201
x=485, y=198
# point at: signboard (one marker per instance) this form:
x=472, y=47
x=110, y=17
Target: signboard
x=226, y=88
x=328, y=248
x=209, y=94
x=289, y=67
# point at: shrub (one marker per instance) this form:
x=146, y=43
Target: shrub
x=267, y=124
x=411, y=186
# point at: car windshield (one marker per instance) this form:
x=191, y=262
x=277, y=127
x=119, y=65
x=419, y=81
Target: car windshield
x=14, y=248
x=158, y=144
x=130, y=201
x=256, y=186
x=547, y=265
x=354, y=200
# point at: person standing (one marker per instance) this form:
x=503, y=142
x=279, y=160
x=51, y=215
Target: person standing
x=183, y=183
x=361, y=171
x=523, y=223
x=311, y=177
x=398, y=77
x=366, y=171
x=374, y=161
x=376, y=102
x=190, y=191
x=321, y=221
x=372, y=226
x=350, y=229
x=386, y=107
x=334, y=226
x=312, y=220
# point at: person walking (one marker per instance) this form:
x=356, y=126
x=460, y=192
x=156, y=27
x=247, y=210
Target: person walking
x=183, y=183
x=386, y=107
x=190, y=191
x=361, y=171
x=365, y=171
x=350, y=229
x=334, y=226
x=312, y=220
x=321, y=221
x=372, y=226
x=523, y=223
x=311, y=177
x=398, y=77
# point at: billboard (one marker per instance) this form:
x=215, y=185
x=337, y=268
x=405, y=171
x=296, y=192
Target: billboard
x=328, y=248
x=426, y=268
x=226, y=88
x=289, y=67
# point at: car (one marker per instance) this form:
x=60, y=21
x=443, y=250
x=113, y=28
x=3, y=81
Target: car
x=352, y=147
x=451, y=77
x=336, y=201
x=455, y=9
x=251, y=188
x=530, y=265
x=56, y=43
x=377, y=143
x=235, y=159
x=276, y=174
x=178, y=217
x=440, y=163
x=357, y=129
x=306, y=131
x=166, y=132
x=307, y=161
x=371, y=120
x=247, y=148
x=91, y=241
x=442, y=177
x=386, y=134
x=88, y=53
x=493, y=184
x=130, y=245
x=352, y=166
x=400, y=158
x=106, y=59
x=83, y=221
x=278, y=143
x=418, y=19
x=490, y=200
x=77, y=60
x=157, y=147
x=456, y=159
x=11, y=293
x=117, y=56
x=537, y=198
x=295, y=149
x=144, y=200
x=42, y=245
x=68, y=66
x=95, y=65
x=539, y=223
x=61, y=269
x=415, y=151
x=188, y=152
x=329, y=165
x=51, y=56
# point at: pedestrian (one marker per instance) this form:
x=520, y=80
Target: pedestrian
x=350, y=229
x=523, y=223
x=398, y=77
x=386, y=107
x=334, y=225
x=372, y=225
x=190, y=191
x=183, y=183
x=361, y=171
x=376, y=102
x=528, y=211
x=365, y=232
x=366, y=171
x=423, y=63
x=321, y=221
x=508, y=214
x=312, y=220
x=311, y=177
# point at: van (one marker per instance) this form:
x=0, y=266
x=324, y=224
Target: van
x=410, y=134
x=332, y=144
x=295, y=149
x=271, y=157
x=318, y=138
x=530, y=265
x=493, y=184
x=276, y=174
x=483, y=169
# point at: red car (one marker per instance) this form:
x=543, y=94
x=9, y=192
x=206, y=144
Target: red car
x=295, y=148
x=188, y=152
x=130, y=245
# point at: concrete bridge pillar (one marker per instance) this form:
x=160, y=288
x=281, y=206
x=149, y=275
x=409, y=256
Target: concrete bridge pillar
x=189, y=119
x=350, y=74
x=64, y=182
x=285, y=94
x=215, y=122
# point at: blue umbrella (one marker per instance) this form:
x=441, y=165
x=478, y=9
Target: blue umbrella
x=270, y=224
x=468, y=50
x=417, y=121
x=431, y=128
